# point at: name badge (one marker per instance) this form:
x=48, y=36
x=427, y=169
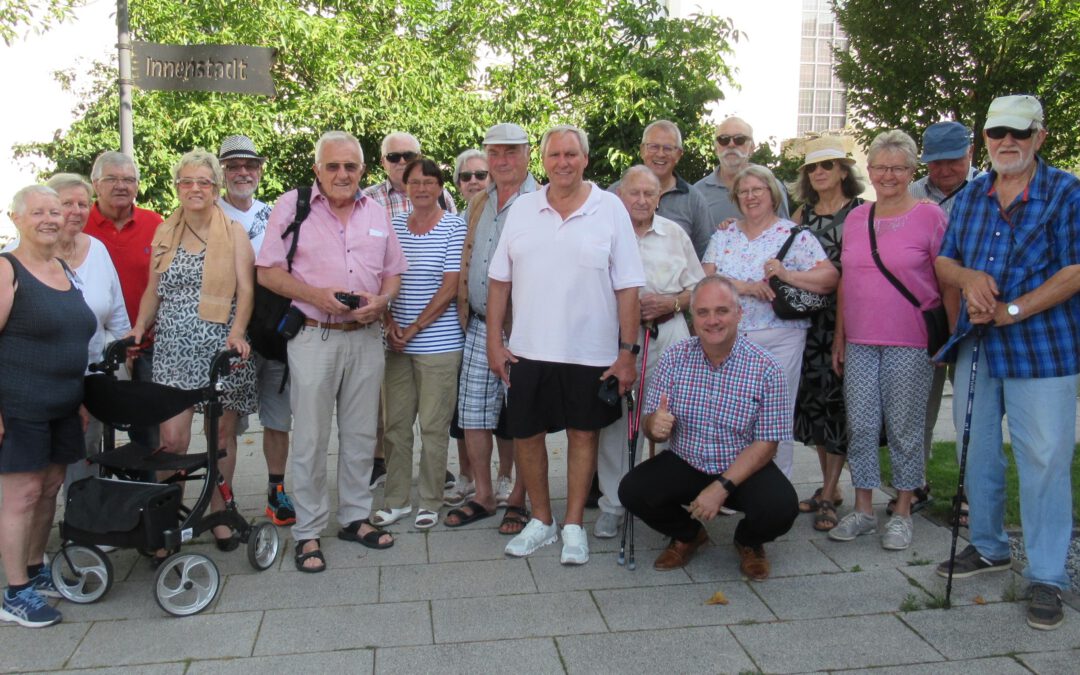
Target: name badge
x=376, y=233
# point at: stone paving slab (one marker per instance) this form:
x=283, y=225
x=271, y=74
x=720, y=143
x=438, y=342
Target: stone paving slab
x=830, y=595
x=997, y=587
x=327, y=629
x=1002, y=665
x=294, y=589
x=833, y=644
x=22, y=649
x=410, y=548
x=455, y=580
x=930, y=543
x=515, y=616
x=1051, y=663
x=680, y=606
x=111, y=643
x=528, y=656
x=681, y=650
x=602, y=571
x=720, y=562
x=125, y=600
x=345, y=661
x=145, y=669
x=990, y=630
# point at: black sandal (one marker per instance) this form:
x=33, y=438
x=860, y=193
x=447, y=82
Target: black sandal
x=920, y=498
x=351, y=532
x=475, y=512
x=514, y=516
x=302, y=557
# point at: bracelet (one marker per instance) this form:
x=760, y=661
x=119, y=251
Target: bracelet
x=728, y=486
x=677, y=308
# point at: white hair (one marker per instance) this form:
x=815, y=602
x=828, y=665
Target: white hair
x=471, y=153
x=398, y=136
x=18, y=202
x=337, y=137
x=665, y=125
x=583, y=138
x=111, y=158
x=642, y=171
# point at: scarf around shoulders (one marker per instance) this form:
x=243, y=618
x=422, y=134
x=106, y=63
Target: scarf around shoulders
x=219, y=266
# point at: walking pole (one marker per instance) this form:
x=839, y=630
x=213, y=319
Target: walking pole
x=633, y=430
x=958, y=498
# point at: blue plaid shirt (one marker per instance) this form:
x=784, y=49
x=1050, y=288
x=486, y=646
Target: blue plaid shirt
x=720, y=410
x=1021, y=247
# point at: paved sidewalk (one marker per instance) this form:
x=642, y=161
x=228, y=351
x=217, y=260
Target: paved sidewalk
x=448, y=601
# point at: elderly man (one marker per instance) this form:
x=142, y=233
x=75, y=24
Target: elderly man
x=722, y=402
x=243, y=170
x=661, y=149
x=567, y=251
x=671, y=271
x=126, y=231
x=1013, y=248
x=346, y=246
x=480, y=393
x=733, y=145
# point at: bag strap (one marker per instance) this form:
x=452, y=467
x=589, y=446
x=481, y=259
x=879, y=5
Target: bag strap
x=790, y=240
x=952, y=194
x=303, y=208
x=15, y=270
x=881, y=266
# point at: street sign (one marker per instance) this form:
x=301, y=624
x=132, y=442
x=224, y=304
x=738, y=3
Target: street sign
x=227, y=68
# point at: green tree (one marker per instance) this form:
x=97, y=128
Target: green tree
x=17, y=16
x=444, y=70
x=915, y=62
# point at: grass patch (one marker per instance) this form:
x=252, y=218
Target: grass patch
x=942, y=472
x=910, y=603
x=856, y=568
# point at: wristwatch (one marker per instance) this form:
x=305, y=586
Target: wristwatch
x=1014, y=310
x=632, y=348
x=728, y=486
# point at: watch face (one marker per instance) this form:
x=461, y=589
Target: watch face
x=1014, y=310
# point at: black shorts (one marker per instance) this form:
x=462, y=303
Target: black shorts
x=32, y=446
x=458, y=434
x=550, y=397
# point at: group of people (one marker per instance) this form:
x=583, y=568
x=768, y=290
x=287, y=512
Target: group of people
x=514, y=318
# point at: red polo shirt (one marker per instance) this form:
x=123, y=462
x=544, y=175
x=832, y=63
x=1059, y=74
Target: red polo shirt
x=129, y=247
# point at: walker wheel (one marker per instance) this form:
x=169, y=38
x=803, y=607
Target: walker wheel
x=186, y=583
x=263, y=545
x=82, y=574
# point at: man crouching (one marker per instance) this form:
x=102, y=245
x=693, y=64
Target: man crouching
x=721, y=401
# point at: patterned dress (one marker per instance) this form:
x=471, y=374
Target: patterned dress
x=185, y=344
x=820, y=418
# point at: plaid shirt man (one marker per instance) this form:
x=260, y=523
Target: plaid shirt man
x=721, y=409
x=396, y=202
x=1021, y=247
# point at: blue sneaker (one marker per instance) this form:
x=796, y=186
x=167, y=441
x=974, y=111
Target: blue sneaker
x=44, y=585
x=28, y=608
x=279, y=508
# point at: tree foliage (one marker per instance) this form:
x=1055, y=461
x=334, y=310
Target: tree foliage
x=915, y=62
x=17, y=16
x=443, y=70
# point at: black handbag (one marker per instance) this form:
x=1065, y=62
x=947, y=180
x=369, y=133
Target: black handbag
x=937, y=321
x=792, y=302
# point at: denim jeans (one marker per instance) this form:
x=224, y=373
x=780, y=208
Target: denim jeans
x=1042, y=425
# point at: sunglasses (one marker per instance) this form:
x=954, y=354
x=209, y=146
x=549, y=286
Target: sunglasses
x=395, y=157
x=467, y=176
x=826, y=164
x=998, y=133
x=725, y=139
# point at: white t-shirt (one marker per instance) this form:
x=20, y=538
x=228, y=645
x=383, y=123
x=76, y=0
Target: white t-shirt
x=564, y=274
x=254, y=219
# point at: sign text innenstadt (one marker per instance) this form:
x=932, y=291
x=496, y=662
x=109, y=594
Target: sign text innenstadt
x=227, y=68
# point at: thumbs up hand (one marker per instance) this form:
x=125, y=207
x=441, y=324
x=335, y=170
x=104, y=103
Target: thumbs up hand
x=661, y=422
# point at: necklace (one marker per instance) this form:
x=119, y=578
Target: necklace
x=194, y=234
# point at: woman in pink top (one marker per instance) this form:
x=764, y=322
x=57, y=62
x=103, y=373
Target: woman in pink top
x=880, y=342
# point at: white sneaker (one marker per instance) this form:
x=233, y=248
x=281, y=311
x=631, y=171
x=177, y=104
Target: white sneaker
x=854, y=524
x=535, y=535
x=575, y=547
x=502, y=490
x=607, y=526
x=898, y=531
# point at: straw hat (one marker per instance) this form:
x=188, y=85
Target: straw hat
x=823, y=148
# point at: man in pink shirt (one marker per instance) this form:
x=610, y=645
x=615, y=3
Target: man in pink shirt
x=346, y=245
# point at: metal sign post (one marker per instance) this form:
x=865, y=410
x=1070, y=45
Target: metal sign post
x=123, y=46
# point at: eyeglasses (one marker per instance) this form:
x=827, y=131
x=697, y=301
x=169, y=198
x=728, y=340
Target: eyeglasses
x=725, y=139
x=826, y=164
x=751, y=192
x=998, y=133
x=188, y=183
x=334, y=167
x=250, y=165
x=395, y=157
x=430, y=183
x=657, y=147
x=466, y=176
x=894, y=170
x=123, y=180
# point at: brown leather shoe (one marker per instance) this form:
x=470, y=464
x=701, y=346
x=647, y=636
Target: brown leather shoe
x=752, y=562
x=678, y=553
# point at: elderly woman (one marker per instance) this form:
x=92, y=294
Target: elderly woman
x=471, y=174
x=828, y=189
x=746, y=254
x=200, y=294
x=671, y=272
x=424, y=342
x=45, y=327
x=886, y=370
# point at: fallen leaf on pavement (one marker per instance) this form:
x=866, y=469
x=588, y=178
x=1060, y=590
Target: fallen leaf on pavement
x=718, y=598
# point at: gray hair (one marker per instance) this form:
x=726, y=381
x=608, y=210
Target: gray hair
x=18, y=202
x=471, y=153
x=337, y=137
x=111, y=158
x=639, y=170
x=583, y=138
x=894, y=140
x=64, y=181
x=665, y=125
x=200, y=157
x=765, y=176
x=398, y=136
x=714, y=280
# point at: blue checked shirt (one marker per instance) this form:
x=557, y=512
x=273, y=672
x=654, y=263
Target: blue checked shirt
x=720, y=410
x=1021, y=247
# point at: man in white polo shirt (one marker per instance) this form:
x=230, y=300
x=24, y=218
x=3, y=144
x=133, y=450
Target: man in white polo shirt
x=569, y=260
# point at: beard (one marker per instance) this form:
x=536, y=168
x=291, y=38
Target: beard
x=1013, y=166
x=733, y=158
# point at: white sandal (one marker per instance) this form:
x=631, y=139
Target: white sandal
x=384, y=517
x=425, y=519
